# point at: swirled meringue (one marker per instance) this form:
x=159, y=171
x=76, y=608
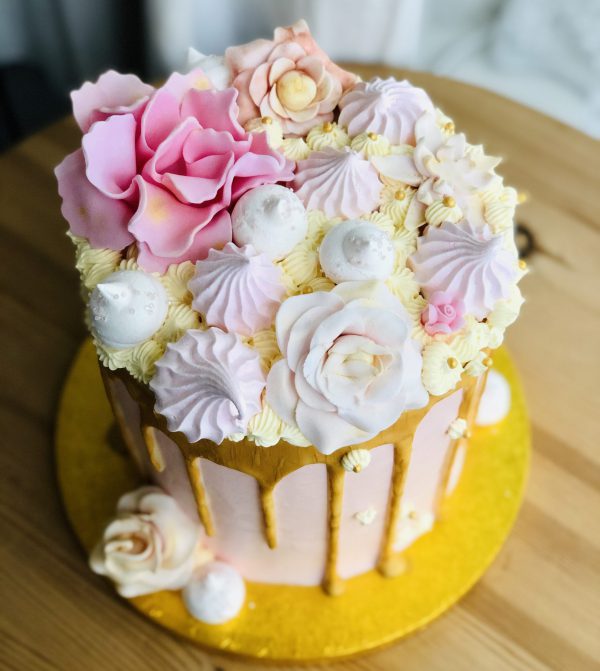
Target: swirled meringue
x=356, y=250
x=443, y=210
x=237, y=289
x=327, y=135
x=339, y=182
x=126, y=308
x=470, y=263
x=208, y=385
x=271, y=218
x=386, y=106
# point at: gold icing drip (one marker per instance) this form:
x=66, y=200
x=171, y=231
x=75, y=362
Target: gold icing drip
x=154, y=451
x=268, y=510
x=195, y=476
x=332, y=583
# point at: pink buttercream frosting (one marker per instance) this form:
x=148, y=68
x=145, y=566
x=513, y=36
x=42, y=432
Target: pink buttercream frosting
x=208, y=385
x=237, y=289
x=339, y=182
x=161, y=167
x=467, y=262
x=349, y=367
x=288, y=78
x=385, y=106
x=443, y=314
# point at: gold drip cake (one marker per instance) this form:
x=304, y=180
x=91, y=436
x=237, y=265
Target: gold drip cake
x=295, y=282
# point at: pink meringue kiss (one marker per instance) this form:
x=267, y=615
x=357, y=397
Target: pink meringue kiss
x=467, y=262
x=384, y=106
x=237, y=289
x=339, y=182
x=208, y=384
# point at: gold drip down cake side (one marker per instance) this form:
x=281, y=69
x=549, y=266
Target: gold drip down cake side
x=292, y=515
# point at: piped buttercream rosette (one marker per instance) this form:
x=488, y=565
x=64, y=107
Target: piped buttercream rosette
x=208, y=385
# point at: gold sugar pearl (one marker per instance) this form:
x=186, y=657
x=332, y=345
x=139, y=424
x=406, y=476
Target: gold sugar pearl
x=266, y=120
x=372, y=136
x=306, y=290
x=522, y=197
x=488, y=361
x=328, y=126
x=357, y=468
x=448, y=201
x=522, y=264
x=449, y=127
x=452, y=362
x=400, y=195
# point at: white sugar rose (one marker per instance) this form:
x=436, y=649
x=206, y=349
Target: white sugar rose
x=349, y=369
x=151, y=545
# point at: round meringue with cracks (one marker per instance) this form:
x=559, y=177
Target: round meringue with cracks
x=468, y=262
x=357, y=250
x=338, y=182
x=215, y=594
x=237, y=289
x=126, y=308
x=271, y=218
x=208, y=385
x=385, y=106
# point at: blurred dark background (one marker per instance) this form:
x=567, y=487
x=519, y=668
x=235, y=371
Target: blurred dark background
x=543, y=53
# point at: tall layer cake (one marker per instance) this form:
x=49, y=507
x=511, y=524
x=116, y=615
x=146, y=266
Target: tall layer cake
x=295, y=281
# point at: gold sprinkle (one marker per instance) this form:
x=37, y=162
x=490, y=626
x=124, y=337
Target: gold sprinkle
x=400, y=195
x=357, y=468
x=306, y=290
x=155, y=612
x=522, y=197
x=522, y=264
x=449, y=201
x=452, y=362
x=372, y=136
x=488, y=361
x=449, y=127
x=328, y=126
x=266, y=120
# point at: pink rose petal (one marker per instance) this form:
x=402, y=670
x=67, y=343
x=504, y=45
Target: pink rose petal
x=113, y=92
x=91, y=214
x=110, y=156
x=214, y=109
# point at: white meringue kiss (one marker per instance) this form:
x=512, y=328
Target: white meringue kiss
x=215, y=594
x=349, y=369
x=126, y=308
x=271, y=218
x=357, y=250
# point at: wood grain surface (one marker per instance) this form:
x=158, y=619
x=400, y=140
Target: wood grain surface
x=537, y=608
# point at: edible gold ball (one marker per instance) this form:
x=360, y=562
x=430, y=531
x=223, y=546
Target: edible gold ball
x=328, y=126
x=266, y=120
x=448, y=201
x=452, y=362
x=522, y=264
x=449, y=127
x=372, y=136
x=357, y=468
x=488, y=361
x=306, y=290
x=400, y=195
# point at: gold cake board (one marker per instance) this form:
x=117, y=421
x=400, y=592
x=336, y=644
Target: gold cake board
x=302, y=623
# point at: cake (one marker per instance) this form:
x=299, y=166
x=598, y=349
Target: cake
x=295, y=281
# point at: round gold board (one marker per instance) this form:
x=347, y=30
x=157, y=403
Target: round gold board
x=280, y=622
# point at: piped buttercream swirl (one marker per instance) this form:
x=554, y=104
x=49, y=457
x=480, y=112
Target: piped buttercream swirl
x=208, y=385
x=339, y=182
x=237, y=289
x=385, y=106
x=470, y=263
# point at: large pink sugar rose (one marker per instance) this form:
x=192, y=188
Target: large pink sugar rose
x=161, y=167
x=289, y=78
x=349, y=366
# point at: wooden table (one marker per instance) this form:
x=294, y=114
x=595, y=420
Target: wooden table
x=537, y=607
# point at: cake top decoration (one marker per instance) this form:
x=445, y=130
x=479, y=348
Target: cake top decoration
x=324, y=253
